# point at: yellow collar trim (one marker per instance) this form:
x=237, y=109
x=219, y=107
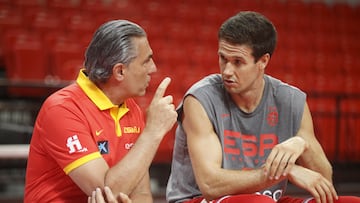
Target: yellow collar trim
x=95, y=94
x=117, y=113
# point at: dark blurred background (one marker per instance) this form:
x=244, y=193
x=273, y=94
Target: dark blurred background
x=42, y=44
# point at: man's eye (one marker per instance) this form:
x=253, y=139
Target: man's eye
x=223, y=59
x=148, y=60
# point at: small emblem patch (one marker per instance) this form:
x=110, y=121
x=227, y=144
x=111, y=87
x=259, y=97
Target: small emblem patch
x=103, y=147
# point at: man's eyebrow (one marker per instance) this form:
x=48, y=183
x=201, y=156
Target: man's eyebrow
x=231, y=56
x=150, y=56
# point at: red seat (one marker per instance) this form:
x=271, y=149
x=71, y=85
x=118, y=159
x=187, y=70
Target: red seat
x=179, y=32
x=79, y=23
x=323, y=111
x=5, y=3
x=349, y=142
x=297, y=7
x=29, y=66
x=29, y=58
x=155, y=33
x=298, y=15
x=46, y=21
x=8, y=40
x=320, y=9
x=66, y=57
x=351, y=83
x=63, y=5
x=207, y=34
x=29, y=3
x=96, y=6
x=10, y=19
x=127, y=10
x=189, y=13
x=157, y=11
x=344, y=11
x=326, y=42
x=249, y=5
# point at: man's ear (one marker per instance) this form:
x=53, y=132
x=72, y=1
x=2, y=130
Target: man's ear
x=118, y=71
x=264, y=60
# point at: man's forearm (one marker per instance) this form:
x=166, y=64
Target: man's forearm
x=126, y=174
x=318, y=163
x=230, y=182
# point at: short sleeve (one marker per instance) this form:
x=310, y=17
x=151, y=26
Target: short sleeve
x=65, y=135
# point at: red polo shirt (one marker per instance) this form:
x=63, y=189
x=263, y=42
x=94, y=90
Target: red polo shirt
x=74, y=126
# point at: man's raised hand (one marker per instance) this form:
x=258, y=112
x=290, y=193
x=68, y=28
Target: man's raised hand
x=161, y=114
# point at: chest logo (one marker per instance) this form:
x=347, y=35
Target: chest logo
x=98, y=132
x=131, y=129
x=272, y=117
x=103, y=147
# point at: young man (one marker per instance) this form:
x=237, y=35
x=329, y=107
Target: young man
x=92, y=134
x=243, y=134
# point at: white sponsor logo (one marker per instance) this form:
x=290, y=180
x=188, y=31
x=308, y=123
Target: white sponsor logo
x=276, y=195
x=74, y=145
x=128, y=145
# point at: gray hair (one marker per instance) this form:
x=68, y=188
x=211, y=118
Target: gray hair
x=111, y=44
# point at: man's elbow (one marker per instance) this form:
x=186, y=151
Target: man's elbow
x=114, y=183
x=209, y=194
x=208, y=191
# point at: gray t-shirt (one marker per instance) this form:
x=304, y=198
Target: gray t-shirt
x=246, y=138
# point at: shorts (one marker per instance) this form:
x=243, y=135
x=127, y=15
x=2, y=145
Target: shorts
x=256, y=198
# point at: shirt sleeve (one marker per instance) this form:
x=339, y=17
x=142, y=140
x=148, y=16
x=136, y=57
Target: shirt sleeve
x=66, y=137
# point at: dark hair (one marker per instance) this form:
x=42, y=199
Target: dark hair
x=111, y=44
x=252, y=29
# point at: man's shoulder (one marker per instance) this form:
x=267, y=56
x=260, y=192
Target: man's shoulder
x=207, y=83
x=70, y=94
x=279, y=86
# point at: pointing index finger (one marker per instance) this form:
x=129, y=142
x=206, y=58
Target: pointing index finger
x=160, y=91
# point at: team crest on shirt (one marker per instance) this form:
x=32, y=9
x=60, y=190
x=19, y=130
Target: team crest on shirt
x=103, y=147
x=273, y=116
x=74, y=145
